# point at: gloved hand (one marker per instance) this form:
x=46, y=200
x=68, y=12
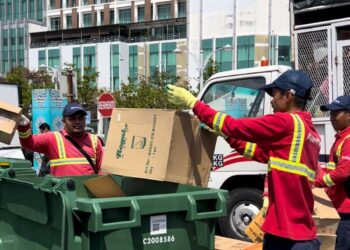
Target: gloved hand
x=265, y=205
x=23, y=121
x=180, y=96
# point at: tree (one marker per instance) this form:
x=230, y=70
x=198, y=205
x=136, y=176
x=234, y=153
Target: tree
x=148, y=93
x=28, y=80
x=211, y=69
x=87, y=88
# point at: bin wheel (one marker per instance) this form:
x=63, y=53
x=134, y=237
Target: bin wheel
x=243, y=205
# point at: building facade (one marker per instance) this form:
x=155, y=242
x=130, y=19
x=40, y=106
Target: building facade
x=132, y=39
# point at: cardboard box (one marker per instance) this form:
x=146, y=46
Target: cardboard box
x=327, y=241
x=165, y=145
x=253, y=230
x=9, y=119
x=223, y=243
x=103, y=187
x=325, y=216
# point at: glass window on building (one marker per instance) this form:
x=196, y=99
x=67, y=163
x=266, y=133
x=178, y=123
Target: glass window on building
x=125, y=16
x=90, y=58
x=54, y=58
x=52, y=4
x=164, y=11
x=87, y=20
x=115, y=57
x=180, y=31
x=153, y=58
x=181, y=8
x=2, y=10
x=74, y=3
x=55, y=23
x=77, y=59
x=13, y=52
x=223, y=57
x=24, y=9
x=133, y=62
x=42, y=57
x=5, y=51
x=141, y=14
x=85, y=2
x=69, y=21
x=245, y=52
x=169, y=59
x=284, y=50
x=207, y=47
x=16, y=9
x=111, y=16
x=39, y=10
x=9, y=10
x=102, y=17
x=21, y=41
x=32, y=9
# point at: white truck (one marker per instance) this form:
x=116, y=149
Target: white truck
x=321, y=48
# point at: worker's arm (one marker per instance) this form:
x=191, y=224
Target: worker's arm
x=340, y=173
x=99, y=156
x=249, y=150
x=37, y=143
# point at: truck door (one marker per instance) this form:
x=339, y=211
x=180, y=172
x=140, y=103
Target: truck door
x=343, y=68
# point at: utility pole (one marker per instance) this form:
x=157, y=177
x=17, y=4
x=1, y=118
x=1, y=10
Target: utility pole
x=69, y=74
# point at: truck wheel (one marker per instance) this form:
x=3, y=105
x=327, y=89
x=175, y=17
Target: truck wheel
x=243, y=205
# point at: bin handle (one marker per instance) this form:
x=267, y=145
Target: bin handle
x=220, y=207
x=96, y=208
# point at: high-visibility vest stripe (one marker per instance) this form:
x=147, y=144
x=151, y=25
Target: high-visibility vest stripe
x=25, y=134
x=298, y=139
x=330, y=165
x=249, y=150
x=340, y=146
x=218, y=122
x=60, y=145
x=93, y=139
x=291, y=167
x=328, y=180
x=69, y=161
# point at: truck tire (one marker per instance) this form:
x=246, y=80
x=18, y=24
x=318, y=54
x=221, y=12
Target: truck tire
x=243, y=205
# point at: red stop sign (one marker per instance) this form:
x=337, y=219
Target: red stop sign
x=106, y=104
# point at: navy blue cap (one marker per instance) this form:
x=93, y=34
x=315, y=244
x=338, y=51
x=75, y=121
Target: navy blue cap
x=295, y=81
x=341, y=103
x=72, y=108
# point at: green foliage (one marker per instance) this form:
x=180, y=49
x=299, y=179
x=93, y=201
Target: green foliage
x=211, y=69
x=87, y=89
x=148, y=93
x=29, y=80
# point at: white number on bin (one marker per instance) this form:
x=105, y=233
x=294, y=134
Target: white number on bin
x=158, y=239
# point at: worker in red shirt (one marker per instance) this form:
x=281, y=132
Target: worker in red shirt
x=290, y=144
x=71, y=151
x=336, y=177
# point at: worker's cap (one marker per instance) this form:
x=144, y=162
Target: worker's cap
x=294, y=81
x=73, y=108
x=341, y=103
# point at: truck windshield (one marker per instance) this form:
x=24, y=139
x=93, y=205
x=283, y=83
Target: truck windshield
x=238, y=98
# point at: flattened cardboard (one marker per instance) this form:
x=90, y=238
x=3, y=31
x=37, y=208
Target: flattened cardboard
x=165, y=145
x=327, y=241
x=9, y=119
x=326, y=217
x=253, y=230
x=103, y=187
x=223, y=243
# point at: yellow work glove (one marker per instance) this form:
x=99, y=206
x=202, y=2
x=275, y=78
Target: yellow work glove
x=265, y=205
x=180, y=96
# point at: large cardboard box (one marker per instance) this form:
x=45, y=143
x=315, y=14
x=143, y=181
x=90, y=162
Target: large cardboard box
x=325, y=216
x=327, y=241
x=9, y=119
x=164, y=145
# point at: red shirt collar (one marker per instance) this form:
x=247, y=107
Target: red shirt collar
x=342, y=133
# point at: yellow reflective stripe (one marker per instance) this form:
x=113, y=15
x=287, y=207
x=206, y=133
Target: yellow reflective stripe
x=60, y=145
x=218, y=122
x=93, y=139
x=291, y=167
x=249, y=150
x=341, y=145
x=70, y=161
x=24, y=135
x=330, y=165
x=298, y=139
x=327, y=179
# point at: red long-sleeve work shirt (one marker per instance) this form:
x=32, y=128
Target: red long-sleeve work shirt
x=291, y=147
x=65, y=158
x=336, y=177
